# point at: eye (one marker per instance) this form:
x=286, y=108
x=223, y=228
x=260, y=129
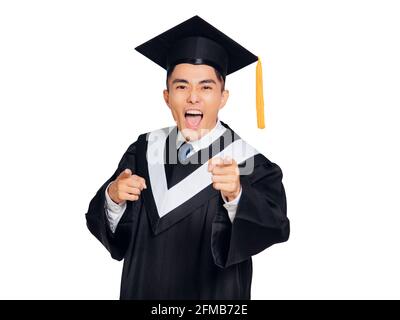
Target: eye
x=181, y=87
x=207, y=87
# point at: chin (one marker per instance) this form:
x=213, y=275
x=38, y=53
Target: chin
x=192, y=134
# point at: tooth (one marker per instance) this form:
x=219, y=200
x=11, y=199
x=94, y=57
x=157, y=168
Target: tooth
x=194, y=112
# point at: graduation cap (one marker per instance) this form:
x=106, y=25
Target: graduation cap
x=196, y=41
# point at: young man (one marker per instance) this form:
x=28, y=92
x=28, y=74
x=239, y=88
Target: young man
x=189, y=205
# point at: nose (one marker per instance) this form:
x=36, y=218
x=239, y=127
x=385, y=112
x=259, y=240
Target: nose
x=193, y=97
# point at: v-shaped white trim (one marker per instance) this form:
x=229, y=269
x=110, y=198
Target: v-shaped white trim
x=168, y=199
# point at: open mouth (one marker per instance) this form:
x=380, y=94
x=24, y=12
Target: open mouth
x=193, y=118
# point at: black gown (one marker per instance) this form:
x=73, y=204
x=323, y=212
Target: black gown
x=193, y=251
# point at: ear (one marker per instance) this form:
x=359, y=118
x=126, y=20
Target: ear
x=166, y=97
x=224, y=98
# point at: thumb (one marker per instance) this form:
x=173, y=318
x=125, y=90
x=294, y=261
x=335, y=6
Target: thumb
x=125, y=174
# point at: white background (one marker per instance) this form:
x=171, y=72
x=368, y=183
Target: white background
x=74, y=94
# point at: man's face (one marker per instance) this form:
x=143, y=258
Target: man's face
x=195, y=96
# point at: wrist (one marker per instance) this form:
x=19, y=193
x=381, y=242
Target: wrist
x=112, y=193
x=233, y=195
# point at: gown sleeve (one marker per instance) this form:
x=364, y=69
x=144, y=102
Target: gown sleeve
x=260, y=220
x=96, y=220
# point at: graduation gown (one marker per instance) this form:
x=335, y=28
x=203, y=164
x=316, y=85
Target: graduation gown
x=177, y=240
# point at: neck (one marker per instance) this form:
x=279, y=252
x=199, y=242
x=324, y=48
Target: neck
x=205, y=140
x=191, y=135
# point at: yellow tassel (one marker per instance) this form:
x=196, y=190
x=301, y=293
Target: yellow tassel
x=259, y=96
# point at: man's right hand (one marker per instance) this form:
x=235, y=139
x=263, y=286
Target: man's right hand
x=127, y=186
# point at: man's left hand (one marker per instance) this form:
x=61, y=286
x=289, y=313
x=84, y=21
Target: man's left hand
x=225, y=176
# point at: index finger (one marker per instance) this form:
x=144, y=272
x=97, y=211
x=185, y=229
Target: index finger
x=214, y=162
x=224, y=161
x=140, y=180
x=227, y=160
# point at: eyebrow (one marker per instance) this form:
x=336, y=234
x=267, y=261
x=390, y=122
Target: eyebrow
x=179, y=80
x=207, y=81
x=201, y=82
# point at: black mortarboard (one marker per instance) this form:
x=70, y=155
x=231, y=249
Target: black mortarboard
x=196, y=41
